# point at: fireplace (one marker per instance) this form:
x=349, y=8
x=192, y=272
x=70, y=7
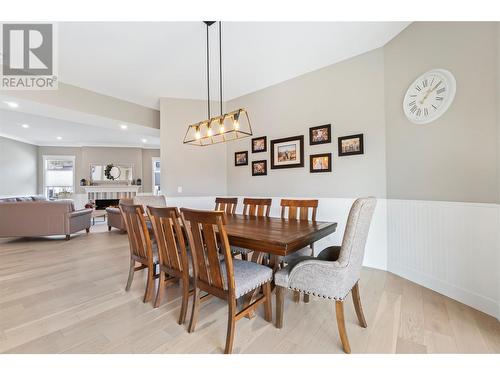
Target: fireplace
x=101, y=204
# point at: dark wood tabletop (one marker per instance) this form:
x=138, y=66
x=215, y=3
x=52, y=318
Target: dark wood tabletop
x=274, y=235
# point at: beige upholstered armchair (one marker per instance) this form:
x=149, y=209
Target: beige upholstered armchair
x=335, y=272
x=115, y=219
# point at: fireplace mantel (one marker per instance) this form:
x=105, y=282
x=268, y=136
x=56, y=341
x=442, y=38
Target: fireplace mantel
x=111, y=191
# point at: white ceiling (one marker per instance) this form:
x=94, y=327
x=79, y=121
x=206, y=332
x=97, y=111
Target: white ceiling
x=141, y=62
x=43, y=131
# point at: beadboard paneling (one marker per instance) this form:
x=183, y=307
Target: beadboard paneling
x=450, y=247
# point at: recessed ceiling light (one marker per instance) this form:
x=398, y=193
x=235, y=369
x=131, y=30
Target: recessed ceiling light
x=26, y=126
x=123, y=126
x=12, y=104
x=144, y=140
x=58, y=138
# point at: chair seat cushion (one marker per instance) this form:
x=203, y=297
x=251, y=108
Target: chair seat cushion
x=282, y=277
x=248, y=276
x=305, y=251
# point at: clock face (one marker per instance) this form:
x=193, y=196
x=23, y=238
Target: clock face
x=429, y=96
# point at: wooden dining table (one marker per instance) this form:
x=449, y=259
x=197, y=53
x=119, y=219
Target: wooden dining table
x=275, y=236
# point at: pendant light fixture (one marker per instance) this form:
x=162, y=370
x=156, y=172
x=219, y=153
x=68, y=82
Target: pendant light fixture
x=225, y=127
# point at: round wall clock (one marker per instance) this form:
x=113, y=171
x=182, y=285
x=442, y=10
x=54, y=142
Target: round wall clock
x=429, y=96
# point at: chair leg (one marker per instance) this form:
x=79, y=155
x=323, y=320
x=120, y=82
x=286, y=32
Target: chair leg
x=356, y=299
x=296, y=296
x=185, y=298
x=161, y=288
x=231, y=322
x=339, y=310
x=109, y=228
x=244, y=256
x=280, y=302
x=194, y=312
x=306, y=298
x=268, y=307
x=130, y=274
x=150, y=285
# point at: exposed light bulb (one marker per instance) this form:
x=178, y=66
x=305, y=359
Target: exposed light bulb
x=221, y=129
x=209, y=132
x=197, y=134
x=236, y=125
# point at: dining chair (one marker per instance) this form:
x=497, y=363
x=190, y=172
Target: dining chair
x=305, y=208
x=335, y=272
x=141, y=248
x=228, y=205
x=228, y=279
x=260, y=207
x=174, y=262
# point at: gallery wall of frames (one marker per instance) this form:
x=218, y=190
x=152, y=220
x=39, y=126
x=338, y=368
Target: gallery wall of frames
x=288, y=152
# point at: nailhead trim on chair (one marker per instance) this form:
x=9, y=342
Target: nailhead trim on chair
x=257, y=286
x=321, y=295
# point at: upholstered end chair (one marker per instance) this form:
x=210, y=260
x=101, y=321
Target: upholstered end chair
x=335, y=272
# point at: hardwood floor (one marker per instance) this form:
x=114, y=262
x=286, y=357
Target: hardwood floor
x=68, y=297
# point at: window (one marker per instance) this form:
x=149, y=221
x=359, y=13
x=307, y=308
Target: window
x=156, y=176
x=58, y=175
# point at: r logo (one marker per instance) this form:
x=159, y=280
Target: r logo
x=27, y=50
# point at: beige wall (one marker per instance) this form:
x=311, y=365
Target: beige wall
x=84, y=156
x=18, y=166
x=350, y=96
x=201, y=171
x=455, y=157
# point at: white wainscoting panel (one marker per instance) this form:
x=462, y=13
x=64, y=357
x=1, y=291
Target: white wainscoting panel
x=450, y=247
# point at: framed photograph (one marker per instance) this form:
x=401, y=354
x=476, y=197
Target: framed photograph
x=287, y=152
x=240, y=158
x=259, y=144
x=259, y=168
x=320, y=134
x=320, y=163
x=351, y=145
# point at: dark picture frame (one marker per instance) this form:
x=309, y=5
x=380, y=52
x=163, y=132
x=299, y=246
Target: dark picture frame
x=263, y=172
x=287, y=149
x=346, y=149
x=239, y=163
x=254, y=140
x=313, y=133
x=313, y=166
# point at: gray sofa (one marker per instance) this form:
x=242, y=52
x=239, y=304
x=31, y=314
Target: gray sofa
x=34, y=216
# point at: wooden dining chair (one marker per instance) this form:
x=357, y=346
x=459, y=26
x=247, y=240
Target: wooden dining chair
x=141, y=249
x=228, y=205
x=253, y=207
x=172, y=254
x=335, y=272
x=228, y=279
x=299, y=209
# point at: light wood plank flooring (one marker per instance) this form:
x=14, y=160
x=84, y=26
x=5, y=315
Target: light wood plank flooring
x=68, y=297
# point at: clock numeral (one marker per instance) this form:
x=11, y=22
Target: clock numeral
x=432, y=80
x=413, y=96
x=419, y=112
x=413, y=109
x=411, y=104
x=441, y=90
x=424, y=83
x=417, y=87
x=437, y=84
x=433, y=106
x=426, y=112
x=439, y=98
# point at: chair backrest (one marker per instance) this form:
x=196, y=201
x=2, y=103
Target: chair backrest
x=257, y=206
x=300, y=205
x=169, y=237
x=206, y=233
x=355, y=235
x=228, y=205
x=138, y=234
